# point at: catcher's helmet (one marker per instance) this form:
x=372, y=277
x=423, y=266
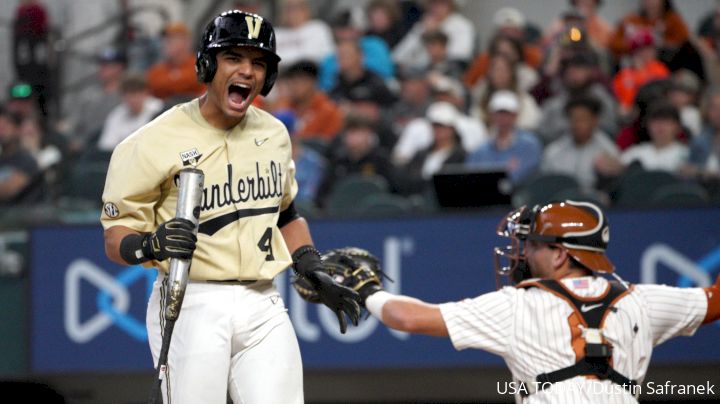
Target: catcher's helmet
x=237, y=28
x=581, y=227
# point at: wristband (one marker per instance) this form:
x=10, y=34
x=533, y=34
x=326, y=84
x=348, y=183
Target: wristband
x=131, y=249
x=376, y=301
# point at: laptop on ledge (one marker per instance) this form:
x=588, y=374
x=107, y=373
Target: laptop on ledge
x=467, y=187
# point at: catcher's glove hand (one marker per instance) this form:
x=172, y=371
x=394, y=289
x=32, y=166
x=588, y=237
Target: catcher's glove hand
x=352, y=267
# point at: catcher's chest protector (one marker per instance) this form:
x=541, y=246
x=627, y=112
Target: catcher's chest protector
x=597, y=355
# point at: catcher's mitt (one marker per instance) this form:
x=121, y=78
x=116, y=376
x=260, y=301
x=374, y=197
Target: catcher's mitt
x=349, y=266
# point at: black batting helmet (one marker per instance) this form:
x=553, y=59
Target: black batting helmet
x=237, y=28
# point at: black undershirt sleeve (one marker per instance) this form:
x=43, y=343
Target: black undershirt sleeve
x=288, y=215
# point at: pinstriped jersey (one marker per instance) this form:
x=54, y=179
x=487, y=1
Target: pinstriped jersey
x=249, y=179
x=535, y=332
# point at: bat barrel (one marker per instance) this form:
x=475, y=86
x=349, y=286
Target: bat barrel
x=190, y=190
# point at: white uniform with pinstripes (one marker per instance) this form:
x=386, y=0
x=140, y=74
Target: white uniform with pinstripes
x=529, y=328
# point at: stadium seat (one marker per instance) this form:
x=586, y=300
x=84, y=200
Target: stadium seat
x=635, y=187
x=350, y=191
x=543, y=188
x=85, y=184
x=382, y=205
x=680, y=194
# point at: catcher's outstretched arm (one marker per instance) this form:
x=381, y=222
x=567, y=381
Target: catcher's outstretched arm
x=408, y=314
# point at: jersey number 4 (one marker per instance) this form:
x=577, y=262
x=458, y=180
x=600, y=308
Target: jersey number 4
x=265, y=244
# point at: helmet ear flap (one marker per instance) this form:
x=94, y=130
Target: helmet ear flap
x=205, y=67
x=270, y=77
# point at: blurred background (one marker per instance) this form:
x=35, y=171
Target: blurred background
x=416, y=124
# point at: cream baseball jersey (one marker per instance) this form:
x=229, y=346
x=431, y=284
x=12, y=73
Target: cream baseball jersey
x=536, y=332
x=249, y=179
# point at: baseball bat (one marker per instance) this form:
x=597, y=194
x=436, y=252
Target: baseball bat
x=190, y=190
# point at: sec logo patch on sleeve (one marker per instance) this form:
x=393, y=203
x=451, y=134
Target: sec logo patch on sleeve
x=111, y=210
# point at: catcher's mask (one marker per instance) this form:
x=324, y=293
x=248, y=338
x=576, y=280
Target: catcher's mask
x=237, y=28
x=580, y=227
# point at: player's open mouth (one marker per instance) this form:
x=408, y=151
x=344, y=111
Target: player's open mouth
x=238, y=94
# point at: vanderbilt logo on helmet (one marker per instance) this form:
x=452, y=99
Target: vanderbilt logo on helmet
x=253, y=24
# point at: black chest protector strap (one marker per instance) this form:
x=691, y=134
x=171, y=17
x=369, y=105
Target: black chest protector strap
x=598, y=352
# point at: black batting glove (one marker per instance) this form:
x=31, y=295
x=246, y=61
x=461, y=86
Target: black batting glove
x=340, y=299
x=172, y=239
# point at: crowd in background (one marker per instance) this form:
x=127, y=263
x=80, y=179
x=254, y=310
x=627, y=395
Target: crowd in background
x=405, y=89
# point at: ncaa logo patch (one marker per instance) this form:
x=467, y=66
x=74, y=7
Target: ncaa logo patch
x=111, y=210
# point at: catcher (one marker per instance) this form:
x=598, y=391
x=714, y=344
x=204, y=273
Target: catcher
x=567, y=334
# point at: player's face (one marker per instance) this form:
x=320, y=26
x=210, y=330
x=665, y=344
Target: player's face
x=539, y=258
x=239, y=79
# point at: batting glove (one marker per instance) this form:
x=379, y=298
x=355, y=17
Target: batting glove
x=172, y=239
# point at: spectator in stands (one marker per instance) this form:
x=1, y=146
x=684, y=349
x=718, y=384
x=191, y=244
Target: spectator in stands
x=440, y=15
x=511, y=21
x=371, y=107
x=577, y=150
x=356, y=81
x=597, y=28
x=91, y=107
x=375, y=53
x=704, y=160
x=684, y=90
x=571, y=39
x=137, y=109
x=174, y=80
x=359, y=155
x=31, y=50
x=418, y=135
x=673, y=42
x=33, y=139
x=662, y=21
x=385, y=21
x=643, y=68
x=502, y=75
x=317, y=115
x=579, y=76
x=510, y=147
x=708, y=44
x=300, y=36
x=309, y=163
x=525, y=58
x=414, y=98
x=636, y=130
x=19, y=172
x=438, y=62
x=445, y=150
x=663, y=152
x=23, y=99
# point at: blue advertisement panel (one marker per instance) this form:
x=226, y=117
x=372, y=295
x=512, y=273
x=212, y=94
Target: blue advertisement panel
x=88, y=313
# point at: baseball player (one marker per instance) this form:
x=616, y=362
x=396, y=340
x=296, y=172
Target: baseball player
x=233, y=333
x=567, y=334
